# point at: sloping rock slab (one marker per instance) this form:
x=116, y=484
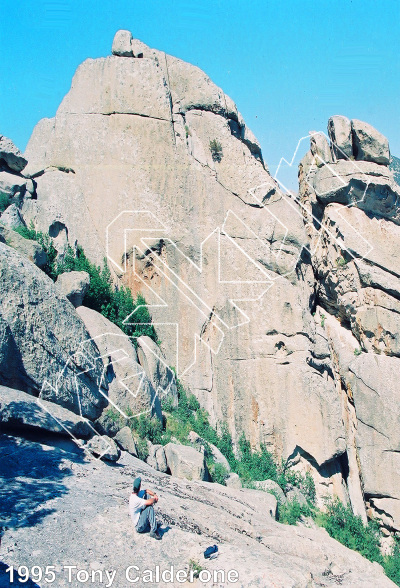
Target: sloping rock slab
x=61, y=507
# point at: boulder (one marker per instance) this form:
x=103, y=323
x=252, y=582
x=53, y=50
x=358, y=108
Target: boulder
x=30, y=249
x=339, y=131
x=273, y=488
x=365, y=184
x=18, y=409
x=130, y=392
x=233, y=481
x=157, y=370
x=103, y=447
x=12, y=184
x=140, y=49
x=11, y=217
x=265, y=501
x=369, y=144
x=320, y=148
x=122, y=44
x=11, y=155
x=157, y=458
x=42, y=335
x=216, y=454
x=185, y=462
x=125, y=440
x=74, y=286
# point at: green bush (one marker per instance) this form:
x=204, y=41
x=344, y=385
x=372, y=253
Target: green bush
x=291, y=512
x=218, y=473
x=305, y=483
x=347, y=528
x=391, y=563
x=142, y=449
x=147, y=427
x=216, y=150
x=255, y=465
x=115, y=303
x=5, y=201
x=225, y=445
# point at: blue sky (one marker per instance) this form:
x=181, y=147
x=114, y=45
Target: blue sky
x=288, y=65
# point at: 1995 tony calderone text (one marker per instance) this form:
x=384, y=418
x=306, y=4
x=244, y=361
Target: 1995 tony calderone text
x=132, y=574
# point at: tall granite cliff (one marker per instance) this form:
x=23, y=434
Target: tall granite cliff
x=280, y=313
x=129, y=148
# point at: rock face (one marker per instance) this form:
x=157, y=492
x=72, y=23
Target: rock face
x=352, y=214
x=265, y=308
x=207, y=233
x=157, y=370
x=74, y=286
x=40, y=337
x=87, y=500
x=185, y=462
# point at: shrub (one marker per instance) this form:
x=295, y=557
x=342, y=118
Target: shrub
x=5, y=201
x=255, y=465
x=216, y=150
x=305, y=483
x=218, y=473
x=113, y=414
x=391, y=563
x=147, y=427
x=291, y=512
x=341, y=262
x=357, y=351
x=195, y=567
x=142, y=449
x=349, y=529
x=115, y=303
x=225, y=445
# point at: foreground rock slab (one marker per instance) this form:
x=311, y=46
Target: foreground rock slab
x=79, y=509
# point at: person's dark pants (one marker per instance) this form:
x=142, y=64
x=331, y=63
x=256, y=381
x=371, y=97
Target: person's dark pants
x=147, y=520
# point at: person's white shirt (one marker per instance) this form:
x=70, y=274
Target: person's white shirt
x=136, y=505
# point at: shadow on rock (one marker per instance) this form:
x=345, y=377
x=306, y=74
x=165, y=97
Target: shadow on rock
x=30, y=475
x=5, y=578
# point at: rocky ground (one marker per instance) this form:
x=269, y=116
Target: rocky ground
x=63, y=508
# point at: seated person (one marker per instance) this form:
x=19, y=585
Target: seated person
x=142, y=511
